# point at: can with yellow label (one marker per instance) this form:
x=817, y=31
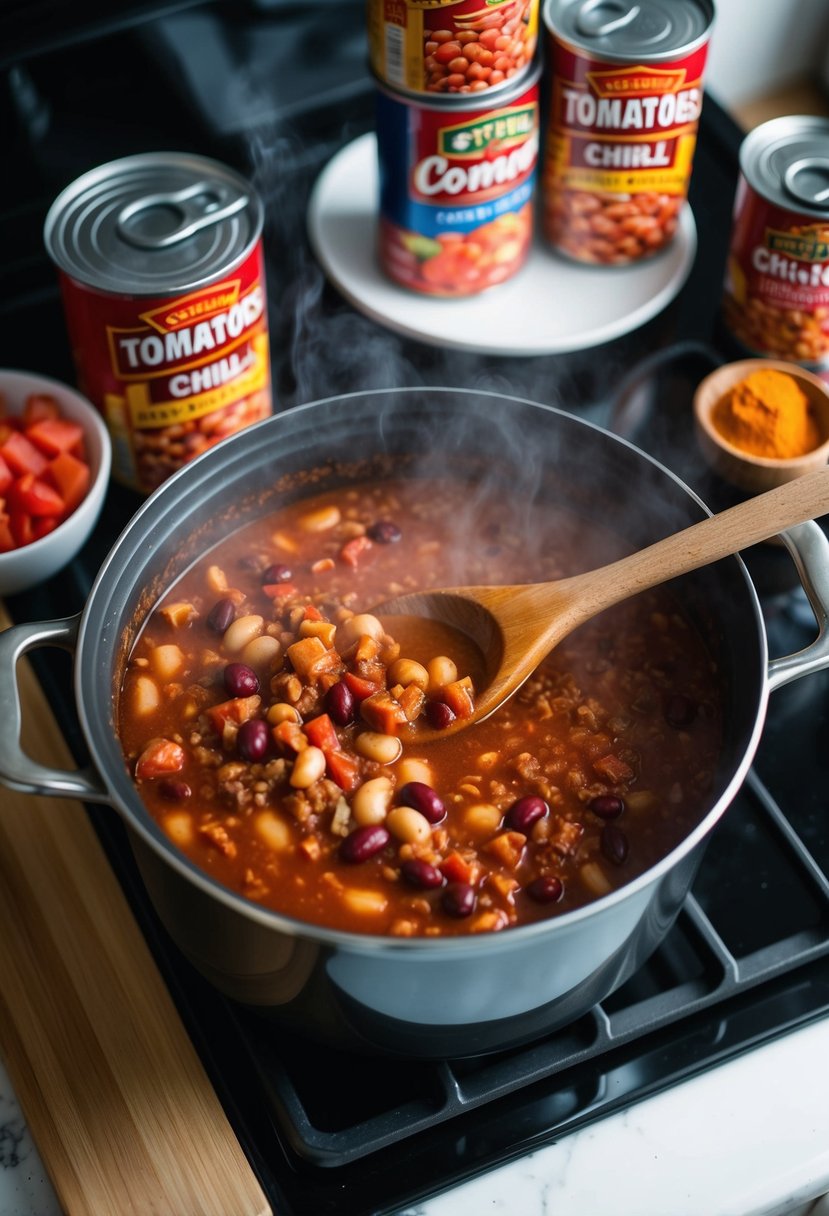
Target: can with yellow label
x=452, y=46
x=626, y=96
x=162, y=274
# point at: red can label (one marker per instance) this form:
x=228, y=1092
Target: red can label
x=451, y=46
x=173, y=375
x=456, y=193
x=776, y=298
x=619, y=149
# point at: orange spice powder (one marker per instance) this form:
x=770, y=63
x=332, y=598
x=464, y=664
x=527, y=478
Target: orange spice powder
x=767, y=414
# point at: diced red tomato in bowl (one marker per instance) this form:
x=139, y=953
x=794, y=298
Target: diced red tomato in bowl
x=55, y=462
x=44, y=472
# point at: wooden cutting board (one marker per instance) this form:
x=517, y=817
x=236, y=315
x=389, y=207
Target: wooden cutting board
x=116, y=1098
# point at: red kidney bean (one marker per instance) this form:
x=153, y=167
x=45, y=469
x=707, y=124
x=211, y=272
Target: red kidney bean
x=439, y=714
x=680, y=711
x=606, y=806
x=174, y=791
x=221, y=615
x=241, y=680
x=384, y=532
x=363, y=843
x=339, y=701
x=525, y=812
x=459, y=900
x=421, y=874
x=277, y=573
x=546, y=889
x=423, y=798
x=614, y=843
x=252, y=740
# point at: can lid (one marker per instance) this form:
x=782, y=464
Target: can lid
x=152, y=224
x=621, y=29
x=786, y=161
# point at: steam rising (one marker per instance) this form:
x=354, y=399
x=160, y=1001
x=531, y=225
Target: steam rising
x=323, y=347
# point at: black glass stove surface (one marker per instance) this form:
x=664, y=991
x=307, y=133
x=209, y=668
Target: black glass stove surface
x=275, y=89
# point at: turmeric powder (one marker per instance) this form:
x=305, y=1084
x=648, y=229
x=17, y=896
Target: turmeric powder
x=767, y=414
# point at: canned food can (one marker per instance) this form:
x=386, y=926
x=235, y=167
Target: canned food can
x=451, y=46
x=776, y=293
x=625, y=101
x=457, y=180
x=163, y=282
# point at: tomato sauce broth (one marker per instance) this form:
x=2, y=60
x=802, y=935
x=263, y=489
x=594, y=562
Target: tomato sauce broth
x=273, y=725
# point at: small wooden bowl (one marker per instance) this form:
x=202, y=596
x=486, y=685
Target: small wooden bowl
x=754, y=474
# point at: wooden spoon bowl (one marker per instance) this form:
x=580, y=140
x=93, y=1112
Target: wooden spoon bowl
x=515, y=626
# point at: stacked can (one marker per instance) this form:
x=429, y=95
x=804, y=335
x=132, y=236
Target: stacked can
x=625, y=100
x=457, y=139
x=163, y=281
x=776, y=297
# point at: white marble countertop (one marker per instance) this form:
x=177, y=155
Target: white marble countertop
x=750, y=1138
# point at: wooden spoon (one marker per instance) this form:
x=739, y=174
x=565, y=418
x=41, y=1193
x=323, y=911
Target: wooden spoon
x=516, y=626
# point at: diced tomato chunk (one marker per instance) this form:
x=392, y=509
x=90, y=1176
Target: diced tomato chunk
x=22, y=456
x=237, y=710
x=321, y=733
x=459, y=696
x=71, y=476
x=53, y=435
x=353, y=550
x=344, y=770
x=360, y=687
x=159, y=757
x=36, y=496
x=455, y=869
x=20, y=523
x=278, y=591
x=42, y=525
x=312, y=613
x=43, y=472
x=38, y=407
x=7, y=541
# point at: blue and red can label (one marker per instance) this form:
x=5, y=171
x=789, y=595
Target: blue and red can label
x=456, y=191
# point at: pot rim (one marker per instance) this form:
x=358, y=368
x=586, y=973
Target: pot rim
x=128, y=803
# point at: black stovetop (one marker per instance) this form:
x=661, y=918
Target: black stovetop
x=748, y=958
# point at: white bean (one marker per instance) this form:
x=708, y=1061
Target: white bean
x=412, y=769
x=409, y=825
x=261, y=652
x=241, y=631
x=385, y=749
x=371, y=802
x=321, y=520
x=309, y=766
x=273, y=830
x=442, y=671
x=407, y=671
x=359, y=626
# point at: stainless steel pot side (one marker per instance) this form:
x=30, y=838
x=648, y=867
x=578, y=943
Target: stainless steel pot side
x=427, y=998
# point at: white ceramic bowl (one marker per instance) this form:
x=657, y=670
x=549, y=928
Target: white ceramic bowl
x=32, y=564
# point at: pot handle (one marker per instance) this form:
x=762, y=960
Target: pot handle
x=809, y=548
x=17, y=770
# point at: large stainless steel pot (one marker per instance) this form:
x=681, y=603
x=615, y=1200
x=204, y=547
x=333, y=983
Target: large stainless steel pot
x=437, y=997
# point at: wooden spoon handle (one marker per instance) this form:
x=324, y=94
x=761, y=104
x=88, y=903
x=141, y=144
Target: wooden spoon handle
x=721, y=535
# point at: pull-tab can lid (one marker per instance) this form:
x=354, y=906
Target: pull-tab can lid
x=153, y=224
x=787, y=162
x=631, y=30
